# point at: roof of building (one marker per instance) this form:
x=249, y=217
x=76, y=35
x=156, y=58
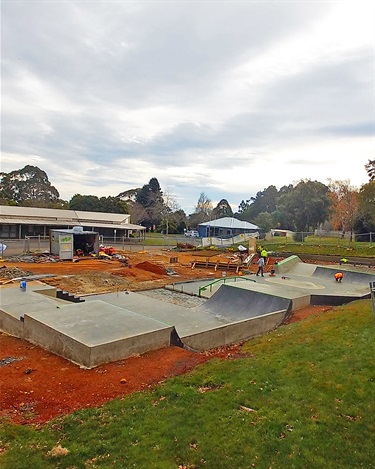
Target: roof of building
x=230, y=222
x=48, y=216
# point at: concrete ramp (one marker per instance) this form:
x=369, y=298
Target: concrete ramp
x=350, y=276
x=246, y=314
x=236, y=304
x=294, y=265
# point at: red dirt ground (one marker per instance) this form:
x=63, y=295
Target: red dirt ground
x=38, y=386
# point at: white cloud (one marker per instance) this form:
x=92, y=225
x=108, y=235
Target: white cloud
x=220, y=97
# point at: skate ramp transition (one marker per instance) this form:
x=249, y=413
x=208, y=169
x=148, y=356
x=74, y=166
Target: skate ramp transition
x=115, y=326
x=354, y=286
x=238, y=304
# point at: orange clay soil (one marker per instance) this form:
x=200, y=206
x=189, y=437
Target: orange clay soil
x=37, y=386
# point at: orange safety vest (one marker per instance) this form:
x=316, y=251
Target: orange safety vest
x=339, y=275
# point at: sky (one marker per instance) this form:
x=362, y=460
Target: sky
x=221, y=97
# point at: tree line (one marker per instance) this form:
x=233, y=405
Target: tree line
x=301, y=208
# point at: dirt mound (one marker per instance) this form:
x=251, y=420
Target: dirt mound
x=89, y=282
x=13, y=272
x=156, y=269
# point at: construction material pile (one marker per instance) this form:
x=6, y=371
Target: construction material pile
x=34, y=258
x=12, y=272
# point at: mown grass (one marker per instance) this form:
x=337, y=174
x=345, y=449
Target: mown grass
x=303, y=396
x=323, y=246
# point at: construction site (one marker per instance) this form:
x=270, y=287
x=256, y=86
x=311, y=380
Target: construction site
x=80, y=332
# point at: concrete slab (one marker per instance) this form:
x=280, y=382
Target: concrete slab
x=95, y=332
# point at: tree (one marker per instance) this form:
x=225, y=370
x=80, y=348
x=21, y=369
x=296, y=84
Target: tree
x=150, y=197
x=150, y=194
x=306, y=206
x=370, y=168
x=265, y=221
x=138, y=213
x=203, y=211
x=112, y=205
x=28, y=183
x=222, y=209
x=87, y=203
x=180, y=220
x=264, y=201
x=367, y=201
x=169, y=206
x=92, y=203
x=345, y=205
x=365, y=221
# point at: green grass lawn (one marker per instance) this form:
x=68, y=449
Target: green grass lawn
x=322, y=246
x=311, y=245
x=302, y=396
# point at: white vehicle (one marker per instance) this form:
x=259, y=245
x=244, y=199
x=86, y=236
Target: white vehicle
x=192, y=233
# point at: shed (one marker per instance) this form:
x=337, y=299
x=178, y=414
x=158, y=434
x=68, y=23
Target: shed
x=68, y=243
x=225, y=228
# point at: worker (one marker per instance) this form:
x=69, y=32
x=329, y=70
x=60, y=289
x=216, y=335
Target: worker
x=260, y=266
x=264, y=254
x=343, y=261
x=339, y=276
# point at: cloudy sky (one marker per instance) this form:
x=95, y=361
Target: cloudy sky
x=220, y=97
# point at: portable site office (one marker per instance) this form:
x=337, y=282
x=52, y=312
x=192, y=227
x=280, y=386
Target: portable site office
x=68, y=243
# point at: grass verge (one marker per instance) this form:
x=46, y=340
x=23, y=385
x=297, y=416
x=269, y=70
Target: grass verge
x=301, y=397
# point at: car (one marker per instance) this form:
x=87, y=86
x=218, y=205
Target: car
x=192, y=233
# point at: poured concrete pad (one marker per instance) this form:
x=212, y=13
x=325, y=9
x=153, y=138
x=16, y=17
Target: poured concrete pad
x=95, y=332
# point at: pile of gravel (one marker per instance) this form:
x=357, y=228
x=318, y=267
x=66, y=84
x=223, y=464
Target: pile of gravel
x=13, y=272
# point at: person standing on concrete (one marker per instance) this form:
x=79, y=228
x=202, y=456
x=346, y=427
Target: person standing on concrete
x=260, y=266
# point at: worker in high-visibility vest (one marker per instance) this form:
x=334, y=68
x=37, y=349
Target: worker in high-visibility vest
x=339, y=276
x=264, y=254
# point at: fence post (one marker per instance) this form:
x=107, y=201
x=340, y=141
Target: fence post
x=27, y=245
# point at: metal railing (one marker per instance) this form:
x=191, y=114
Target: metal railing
x=223, y=280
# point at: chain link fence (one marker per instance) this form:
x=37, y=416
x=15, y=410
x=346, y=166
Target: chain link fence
x=324, y=237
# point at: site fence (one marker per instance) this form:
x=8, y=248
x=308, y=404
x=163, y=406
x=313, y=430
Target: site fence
x=40, y=244
x=323, y=237
x=32, y=244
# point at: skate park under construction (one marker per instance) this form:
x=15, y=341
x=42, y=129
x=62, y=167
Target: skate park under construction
x=107, y=327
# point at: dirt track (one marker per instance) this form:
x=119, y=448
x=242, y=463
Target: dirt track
x=37, y=386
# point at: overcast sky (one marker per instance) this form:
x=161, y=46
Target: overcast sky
x=220, y=97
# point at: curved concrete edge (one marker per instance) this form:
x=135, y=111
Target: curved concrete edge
x=362, y=278
x=235, y=332
x=236, y=304
x=287, y=264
